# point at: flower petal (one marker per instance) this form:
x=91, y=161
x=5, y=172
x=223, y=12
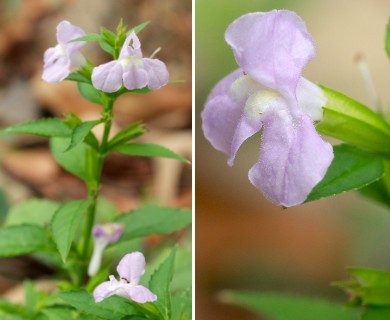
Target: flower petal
x=131, y=47
x=132, y=267
x=56, y=66
x=67, y=32
x=222, y=114
x=223, y=87
x=135, y=77
x=311, y=99
x=272, y=48
x=77, y=59
x=250, y=122
x=140, y=294
x=105, y=290
x=293, y=158
x=157, y=73
x=108, y=76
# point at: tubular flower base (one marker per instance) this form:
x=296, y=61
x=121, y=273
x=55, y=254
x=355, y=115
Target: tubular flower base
x=269, y=93
x=103, y=235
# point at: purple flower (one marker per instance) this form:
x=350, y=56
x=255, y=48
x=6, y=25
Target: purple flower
x=130, y=269
x=135, y=71
x=269, y=93
x=59, y=59
x=103, y=235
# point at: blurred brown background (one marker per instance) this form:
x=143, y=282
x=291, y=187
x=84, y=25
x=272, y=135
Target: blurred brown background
x=27, y=29
x=244, y=242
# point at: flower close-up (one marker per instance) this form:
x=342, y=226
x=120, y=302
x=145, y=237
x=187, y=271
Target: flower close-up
x=103, y=235
x=268, y=93
x=131, y=68
x=58, y=60
x=130, y=270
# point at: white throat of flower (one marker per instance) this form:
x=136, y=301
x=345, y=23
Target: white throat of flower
x=129, y=61
x=257, y=98
x=60, y=50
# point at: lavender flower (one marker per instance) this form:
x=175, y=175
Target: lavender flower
x=135, y=71
x=103, y=235
x=130, y=269
x=268, y=92
x=59, y=59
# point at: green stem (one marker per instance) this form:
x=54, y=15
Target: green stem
x=93, y=192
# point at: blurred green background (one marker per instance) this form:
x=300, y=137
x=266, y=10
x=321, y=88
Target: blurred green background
x=242, y=240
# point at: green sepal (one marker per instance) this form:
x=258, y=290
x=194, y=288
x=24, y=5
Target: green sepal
x=352, y=122
x=351, y=169
x=367, y=286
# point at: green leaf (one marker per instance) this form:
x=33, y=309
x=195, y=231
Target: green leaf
x=10, y=308
x=351, y=121
x=138, y=28
x=111, y=308
x=58, y=313
x=4, y=205
x=80, y=132
x=23, y=239
x=351, y=169
x=73, y=121
x=378, y=192
x=80, y=161
x=106, y=47
x=387, y=39
x=76, y=76
x=153, y=220
x=108, y=35
x=182, y=305
x=32, y=211
x=46, y=127
x=374, y=313
x=31, y=296
x=149, y=150
x=65, y=222
x=89, y=92
x=160, y=283
x=288, y=307
x=131, y=132
x=88, y=38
